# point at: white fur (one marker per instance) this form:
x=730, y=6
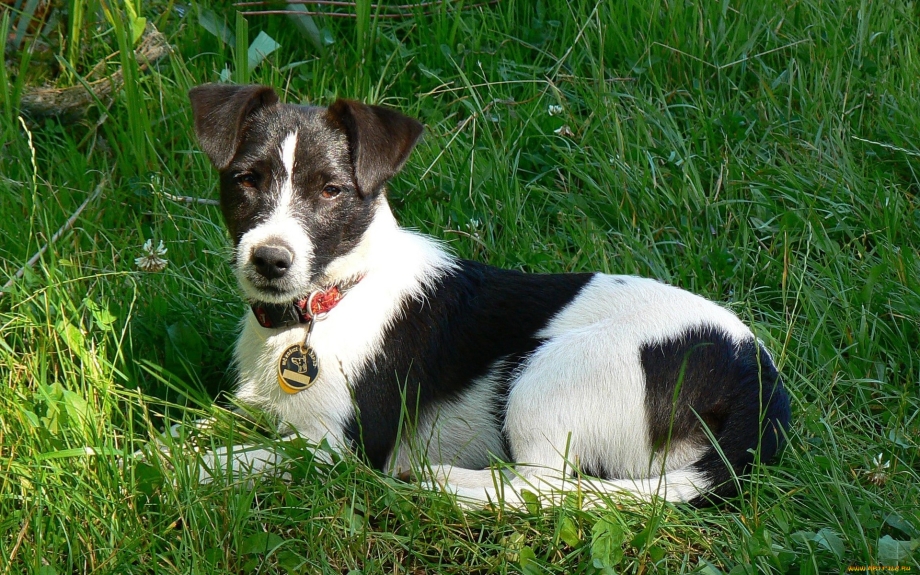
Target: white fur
x=579, y=399
x=456, y=432
x=280, y=226
x=506, y=486
x=288, y=151
x=396, y=264
x=593, y=345
x=239, y=462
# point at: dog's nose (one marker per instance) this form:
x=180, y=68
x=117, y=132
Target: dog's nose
x=272, y=261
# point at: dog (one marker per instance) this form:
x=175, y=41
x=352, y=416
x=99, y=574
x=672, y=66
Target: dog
x=375, y=339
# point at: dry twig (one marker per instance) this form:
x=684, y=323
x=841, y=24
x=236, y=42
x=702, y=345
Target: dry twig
x=63, y=229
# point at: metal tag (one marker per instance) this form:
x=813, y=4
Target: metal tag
x=297, y=369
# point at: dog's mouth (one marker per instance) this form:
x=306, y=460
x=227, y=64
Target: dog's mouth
x=277, y=296
x=270, y=291
x=284, y=290
x=293, y=285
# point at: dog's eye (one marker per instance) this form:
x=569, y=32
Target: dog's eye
x=247, y=180
x=330, y=192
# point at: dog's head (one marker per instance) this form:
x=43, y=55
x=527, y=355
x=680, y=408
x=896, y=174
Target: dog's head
x=299, y=185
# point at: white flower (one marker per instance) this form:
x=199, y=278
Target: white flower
x=881, y=464
x=554, y=109
x=879, y=473
x=152, y=260
x=565, y=131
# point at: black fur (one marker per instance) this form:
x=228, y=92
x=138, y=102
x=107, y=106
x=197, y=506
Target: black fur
x=379, y=141
x=441, y=344
x=718, y=384
x=221, y=111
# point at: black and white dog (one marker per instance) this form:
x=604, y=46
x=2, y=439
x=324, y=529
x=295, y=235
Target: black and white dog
x=377, y=340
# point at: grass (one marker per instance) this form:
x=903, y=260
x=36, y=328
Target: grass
x=763, y=155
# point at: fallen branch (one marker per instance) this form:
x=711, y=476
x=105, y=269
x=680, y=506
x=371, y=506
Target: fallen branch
x=76, y=100
x=191, y=200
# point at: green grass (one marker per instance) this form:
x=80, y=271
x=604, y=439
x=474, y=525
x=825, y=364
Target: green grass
x=763, y=155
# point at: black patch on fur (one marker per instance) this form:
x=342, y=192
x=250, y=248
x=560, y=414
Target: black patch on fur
x=440, y=345
x=701, y=374
x=591, y=470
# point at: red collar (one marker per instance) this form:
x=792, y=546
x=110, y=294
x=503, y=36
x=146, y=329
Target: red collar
x=281, y=315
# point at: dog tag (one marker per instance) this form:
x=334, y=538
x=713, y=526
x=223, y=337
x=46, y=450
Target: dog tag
x=297, y=369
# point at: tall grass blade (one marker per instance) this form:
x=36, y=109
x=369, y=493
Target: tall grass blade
x=260, y=48
x=362, y=26
x=25, y=18
x=306, y=24
x=241, y=52
x=6, y=91
x=77, y=12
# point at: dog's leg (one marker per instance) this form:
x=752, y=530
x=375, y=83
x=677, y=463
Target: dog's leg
x=247, y=461
x=241, y=462
x=507, y=486
x=449, y=475
x=478, y=487
x=236, y=461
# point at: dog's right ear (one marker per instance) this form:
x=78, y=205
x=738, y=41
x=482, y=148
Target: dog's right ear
x=379, y=140
x=220, y=111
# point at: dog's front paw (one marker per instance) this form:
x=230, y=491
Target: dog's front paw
x=163, y=444
x=241, y=462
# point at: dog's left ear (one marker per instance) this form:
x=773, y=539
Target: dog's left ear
x=379, y=140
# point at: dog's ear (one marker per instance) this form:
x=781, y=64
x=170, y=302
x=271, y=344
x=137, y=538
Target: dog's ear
x=379, y=140
x=220, y=111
